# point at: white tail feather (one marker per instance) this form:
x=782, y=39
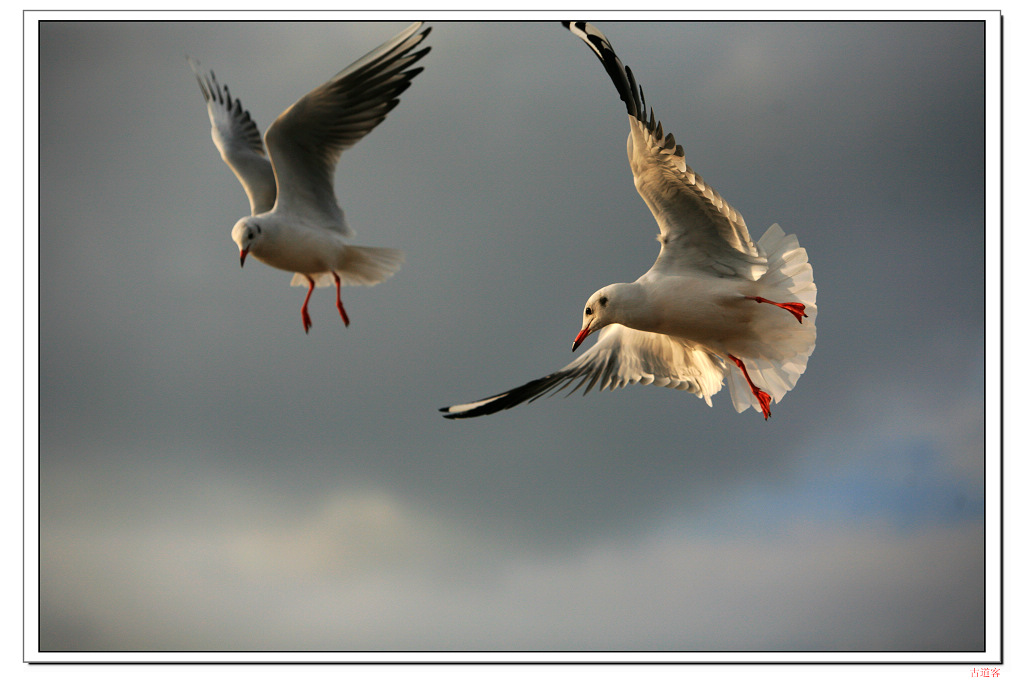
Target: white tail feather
x=358, y=266
x=789, y=278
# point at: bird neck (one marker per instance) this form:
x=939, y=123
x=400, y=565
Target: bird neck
x=632, y=306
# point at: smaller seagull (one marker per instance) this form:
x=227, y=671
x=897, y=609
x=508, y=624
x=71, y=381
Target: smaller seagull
x=296, y=224
x=714, y=305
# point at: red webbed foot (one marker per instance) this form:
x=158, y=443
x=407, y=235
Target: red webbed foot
x=797, y=309
x=307, y=322
x=765, y=400
x=341, y=309
x=762, y=397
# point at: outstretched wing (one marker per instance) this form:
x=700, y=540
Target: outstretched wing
x=306, y=141
x=621, y=356
x=699, y=229
x=238, y=139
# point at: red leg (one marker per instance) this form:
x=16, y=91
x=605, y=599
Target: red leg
x=763, y=398
x=341, y=309
x=306, y=322
x=793, y=307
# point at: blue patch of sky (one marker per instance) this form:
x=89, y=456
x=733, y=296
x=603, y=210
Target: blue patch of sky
x=917, y=490
x=901, y=483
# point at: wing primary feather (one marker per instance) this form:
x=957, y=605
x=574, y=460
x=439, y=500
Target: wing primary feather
x=602, y=48
x=596, y=374
x=610, y=377
x=508, y=399
x=579, y=382
x=238, y=140
x=307, y=140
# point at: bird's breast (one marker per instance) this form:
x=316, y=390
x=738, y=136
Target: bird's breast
x=300, y=251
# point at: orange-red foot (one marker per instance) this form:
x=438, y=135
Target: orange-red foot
x=765, y=400
x=797, y=309
x=306, y=321
x=762, y=397
x=341, y=309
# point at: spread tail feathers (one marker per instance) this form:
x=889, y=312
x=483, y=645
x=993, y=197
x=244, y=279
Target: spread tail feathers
x=789, y=278
x=357, y=266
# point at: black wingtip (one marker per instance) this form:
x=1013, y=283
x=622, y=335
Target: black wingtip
x=448, y=415
x=621, y=75
x=527, y=393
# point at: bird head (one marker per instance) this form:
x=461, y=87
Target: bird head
x=246, y=233
x=596, y=314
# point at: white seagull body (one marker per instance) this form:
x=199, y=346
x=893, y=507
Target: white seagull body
x=715, y=305
x=296, y=224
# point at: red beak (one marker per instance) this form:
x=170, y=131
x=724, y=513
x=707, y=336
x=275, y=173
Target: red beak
x=580, y=337
x=241, y=257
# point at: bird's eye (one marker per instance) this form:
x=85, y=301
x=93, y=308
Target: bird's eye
x=588, y=311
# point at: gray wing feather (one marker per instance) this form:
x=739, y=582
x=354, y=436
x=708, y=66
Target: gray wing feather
x=238, y=139
x=306, y=141
x=698, y=228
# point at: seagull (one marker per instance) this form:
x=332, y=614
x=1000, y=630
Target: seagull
x=714, y=306
x=295, y=222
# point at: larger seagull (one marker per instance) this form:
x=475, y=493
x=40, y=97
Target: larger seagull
x=714, y=305
x=296, y=224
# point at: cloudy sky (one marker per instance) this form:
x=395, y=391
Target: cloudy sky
x=212, y=479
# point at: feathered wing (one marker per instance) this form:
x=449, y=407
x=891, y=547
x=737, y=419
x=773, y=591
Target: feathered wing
x=306, y=140
x=621, y=356
x=699, y=229
x=238, y=139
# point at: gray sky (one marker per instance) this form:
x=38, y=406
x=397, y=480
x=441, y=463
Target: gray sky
x=211, y=478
